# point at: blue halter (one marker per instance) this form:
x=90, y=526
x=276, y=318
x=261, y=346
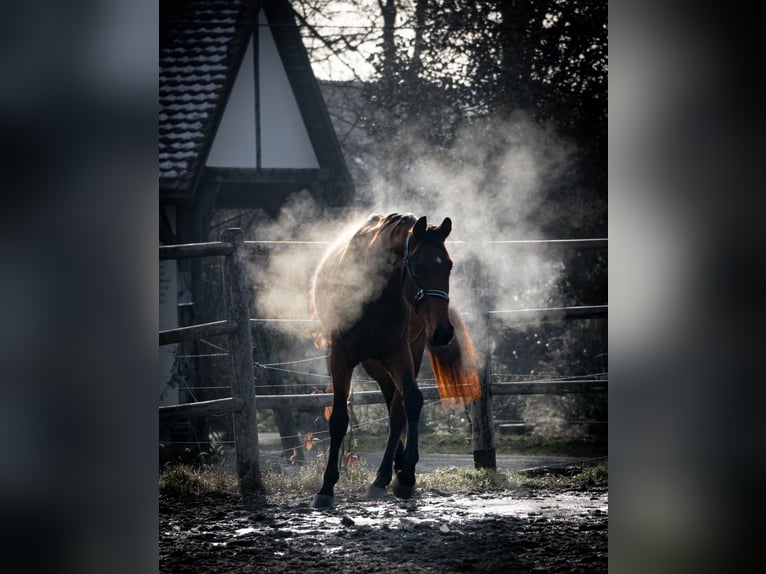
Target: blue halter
x=419, y=291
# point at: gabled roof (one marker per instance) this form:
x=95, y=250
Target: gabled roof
x=202, y=44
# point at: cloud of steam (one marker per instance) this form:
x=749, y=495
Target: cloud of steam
x=283, y=287
x=282, y=274
x=490, y=182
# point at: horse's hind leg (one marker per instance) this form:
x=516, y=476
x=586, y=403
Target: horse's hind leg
x=341, y=380
x=396, y=422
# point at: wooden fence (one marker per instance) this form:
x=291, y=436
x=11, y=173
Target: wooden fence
x=238, y=328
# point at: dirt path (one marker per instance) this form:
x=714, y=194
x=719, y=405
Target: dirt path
x=437, y=532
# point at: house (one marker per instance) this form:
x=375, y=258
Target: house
x=242, y=124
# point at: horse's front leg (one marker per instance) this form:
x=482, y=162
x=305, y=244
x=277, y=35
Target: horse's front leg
x=396, y=421
x=341, y=372
x=402, y=369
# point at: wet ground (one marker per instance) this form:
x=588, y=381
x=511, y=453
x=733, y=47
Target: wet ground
x=508, y=531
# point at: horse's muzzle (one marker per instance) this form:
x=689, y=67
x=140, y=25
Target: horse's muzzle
x=442, y=336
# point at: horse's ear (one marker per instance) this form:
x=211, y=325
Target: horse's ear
x=445, y=227
x=420, y=228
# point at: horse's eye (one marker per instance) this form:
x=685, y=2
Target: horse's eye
x=417, y=269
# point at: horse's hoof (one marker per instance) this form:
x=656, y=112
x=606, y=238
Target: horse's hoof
x=403, y=491
x=376, y=492
x=323, y=501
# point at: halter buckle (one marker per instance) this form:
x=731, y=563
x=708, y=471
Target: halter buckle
x=419, y=296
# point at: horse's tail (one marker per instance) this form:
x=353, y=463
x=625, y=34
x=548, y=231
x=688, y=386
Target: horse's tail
x=456, y=365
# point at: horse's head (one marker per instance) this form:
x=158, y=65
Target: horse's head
x=427, y=267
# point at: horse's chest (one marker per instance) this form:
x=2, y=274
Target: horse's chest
x=375, y=339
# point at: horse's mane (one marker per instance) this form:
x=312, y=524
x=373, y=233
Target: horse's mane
x=391, y=230
x=362, y=256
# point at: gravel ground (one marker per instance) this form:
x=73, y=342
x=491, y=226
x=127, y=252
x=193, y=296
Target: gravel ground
x=509, y=531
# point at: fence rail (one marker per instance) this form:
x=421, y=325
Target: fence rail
x=549, y=388
x=170, y=336
x=193, y=332
x=579, y=312
x=319, y=400
x=195, y=250
x=216, y=248
x=594, y=243
x=238, y=327
x=202, y=408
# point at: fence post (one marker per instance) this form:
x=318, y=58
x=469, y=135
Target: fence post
x=241, y=360
x=481, y=410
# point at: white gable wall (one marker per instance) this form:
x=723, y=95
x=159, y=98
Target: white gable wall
x=284, y=139
x=234, y=144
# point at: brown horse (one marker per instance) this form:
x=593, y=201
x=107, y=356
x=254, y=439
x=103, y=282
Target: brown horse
x=382, y=297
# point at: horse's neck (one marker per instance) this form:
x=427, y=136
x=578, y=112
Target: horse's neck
x=391, y=299
x=392, y=292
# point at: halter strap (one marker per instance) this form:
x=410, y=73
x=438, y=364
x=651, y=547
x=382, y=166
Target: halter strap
x=419, y=291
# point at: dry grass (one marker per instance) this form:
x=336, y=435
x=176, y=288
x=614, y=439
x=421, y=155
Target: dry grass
x=178, y=480
x=306, y=480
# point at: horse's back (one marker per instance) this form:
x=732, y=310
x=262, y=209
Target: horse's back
x=354, y=272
